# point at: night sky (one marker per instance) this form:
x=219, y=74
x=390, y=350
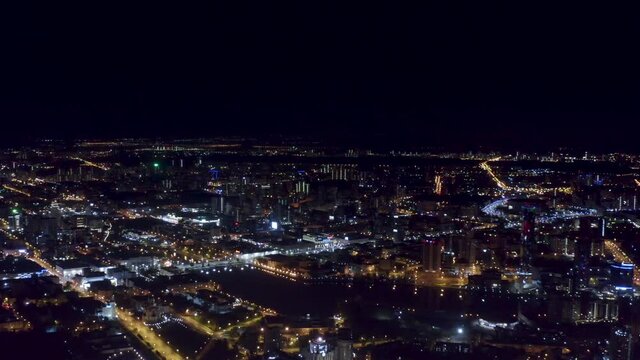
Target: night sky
x=501, y=74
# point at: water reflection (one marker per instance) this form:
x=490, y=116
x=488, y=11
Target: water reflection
x=323, y=299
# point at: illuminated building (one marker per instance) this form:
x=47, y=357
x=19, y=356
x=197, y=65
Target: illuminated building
x=589, y=233
x=438, y=185
x=15, y=220
x=70, y=268
x=528, y=227
x=622, y=276
x=620, y=344
x=528, y=238
x=452, y=348
x=319, y=349
x=302, y=187
x=217, y=204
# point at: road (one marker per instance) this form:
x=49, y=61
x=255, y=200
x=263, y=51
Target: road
x=559, y=213
x=91, y=163
x=154, y=341
x=485, y=166
x=620, y=256
x=503, y=186
x=201, y=328
x=221, y=333
x=16, y=190
x=135, y=326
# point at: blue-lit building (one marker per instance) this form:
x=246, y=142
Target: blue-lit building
x=620, y=344
x=622, y=276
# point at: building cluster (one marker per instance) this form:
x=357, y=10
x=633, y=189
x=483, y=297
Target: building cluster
x=230, y=248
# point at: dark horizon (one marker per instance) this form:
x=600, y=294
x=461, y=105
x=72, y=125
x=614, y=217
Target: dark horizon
x=509, y=76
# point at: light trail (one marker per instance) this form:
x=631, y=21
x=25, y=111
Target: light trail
x=485, y=166
x=11, y=188
x=438, y=182
x=91, y=163
x=637, y=182
x=503, y=186
x=562, y=213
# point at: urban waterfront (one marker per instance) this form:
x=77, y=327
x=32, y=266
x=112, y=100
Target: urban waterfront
x=321, y=299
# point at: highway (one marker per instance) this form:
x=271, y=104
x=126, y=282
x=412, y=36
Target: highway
x=485, y=166
x=16, y=190
x=91, y=163
x=20, y=191
x=560, y=213
x=503, y=186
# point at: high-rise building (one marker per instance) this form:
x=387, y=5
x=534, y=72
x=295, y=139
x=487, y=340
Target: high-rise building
x=528, y=226
x=344, y=350
x=217, y=204
x=273, y=337
x=344, y=345
x=528, y=238
x=620, y=343
x=15, y=221
x=622, y=276
x=432, y=255
x=582, y=250
x=319, y=349
x=80, y=221
x=589, y=237
x=41, y=228
x=594, y=228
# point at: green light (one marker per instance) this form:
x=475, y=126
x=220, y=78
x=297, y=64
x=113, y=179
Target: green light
x=156, y=165
x=14, y=211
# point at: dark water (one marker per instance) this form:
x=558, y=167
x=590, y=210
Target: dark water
x=186, y=340
x=325, y=299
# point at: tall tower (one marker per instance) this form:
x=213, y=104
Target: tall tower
x=273, y=337
x=217, y=204
x=528, y=239
x=344, y=345
x=432, y=255
x=589, y=234
x=344, y=349
x=620, y=343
